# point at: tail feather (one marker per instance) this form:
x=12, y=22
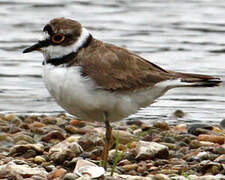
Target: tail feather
x=198, y=80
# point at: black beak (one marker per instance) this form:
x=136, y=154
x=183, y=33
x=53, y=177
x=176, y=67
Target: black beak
x=37, y=46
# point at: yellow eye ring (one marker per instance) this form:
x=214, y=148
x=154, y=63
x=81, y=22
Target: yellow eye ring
x=58, y=38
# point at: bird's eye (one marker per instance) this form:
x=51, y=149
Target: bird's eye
x=58, y=38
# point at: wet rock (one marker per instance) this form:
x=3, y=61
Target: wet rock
x=23, y=171
x=90, y=141
x=161, y=125
x=64, y=151
x=211, y=138
x=151, y=150
x=135, y=122
x=197, y=129
x=179, y=114
x=53, y=135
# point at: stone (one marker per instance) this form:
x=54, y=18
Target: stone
x=151, y=150
x=181, y=128
x=58, y=173
x=77, y=123
x=211, y=138
x=64, y=151
x=55, y=134
x=124, y=136
x=13, y=169
x=220, y=159
x=90, y=141
x=179, y=113
x=38, y=148
x=161, y=177
x=69, y=176
x=219, y=149
x=20, y=136
x=39, y=159
x=197, y=129
x=161, y=125
x=5, y=137
x=129, y=167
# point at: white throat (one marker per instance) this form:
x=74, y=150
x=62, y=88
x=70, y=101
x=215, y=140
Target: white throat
x=60, y=51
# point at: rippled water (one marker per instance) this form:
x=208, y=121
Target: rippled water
x=187, y=36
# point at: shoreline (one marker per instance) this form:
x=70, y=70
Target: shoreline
x=49, y=147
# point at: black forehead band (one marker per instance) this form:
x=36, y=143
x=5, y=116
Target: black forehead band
x=48, y=28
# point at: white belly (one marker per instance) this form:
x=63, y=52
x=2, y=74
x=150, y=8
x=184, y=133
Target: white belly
x=81, y=97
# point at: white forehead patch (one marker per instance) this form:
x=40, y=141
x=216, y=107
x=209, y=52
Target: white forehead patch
x=45, y=35
x=51, y=51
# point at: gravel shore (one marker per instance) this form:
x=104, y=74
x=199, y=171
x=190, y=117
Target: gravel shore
x=46, y=147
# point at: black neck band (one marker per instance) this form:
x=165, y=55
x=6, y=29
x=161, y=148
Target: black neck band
x=69, y=57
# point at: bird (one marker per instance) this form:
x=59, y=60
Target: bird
x=99, y=81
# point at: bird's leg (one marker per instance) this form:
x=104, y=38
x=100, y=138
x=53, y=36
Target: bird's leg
x=108, y=137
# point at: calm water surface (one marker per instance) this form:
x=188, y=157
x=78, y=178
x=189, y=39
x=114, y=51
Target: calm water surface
x=187, y=36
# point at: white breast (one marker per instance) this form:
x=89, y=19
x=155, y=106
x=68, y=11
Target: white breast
x=81, y=97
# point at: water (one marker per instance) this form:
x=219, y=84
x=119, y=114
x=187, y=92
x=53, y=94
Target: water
x=182, y=36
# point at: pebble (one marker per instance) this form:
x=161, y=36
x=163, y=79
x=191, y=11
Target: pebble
x=39, y=159
x=58, y=173
x=53, y=135
x=220, y=159
x=129, y=167
x=179, y=114
x=77, y=123
x=90, y=141
x=23, y=170
x=162, y=125
x=20, y=136
x=151, y=150
x=70, y=176
x=64, y=151
x=124, y=136
x=181, y=128
x=211, y=138
x=46, y=146
x=197, y=129
x=219, y=149
x=5, y=137
x=39, y=148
